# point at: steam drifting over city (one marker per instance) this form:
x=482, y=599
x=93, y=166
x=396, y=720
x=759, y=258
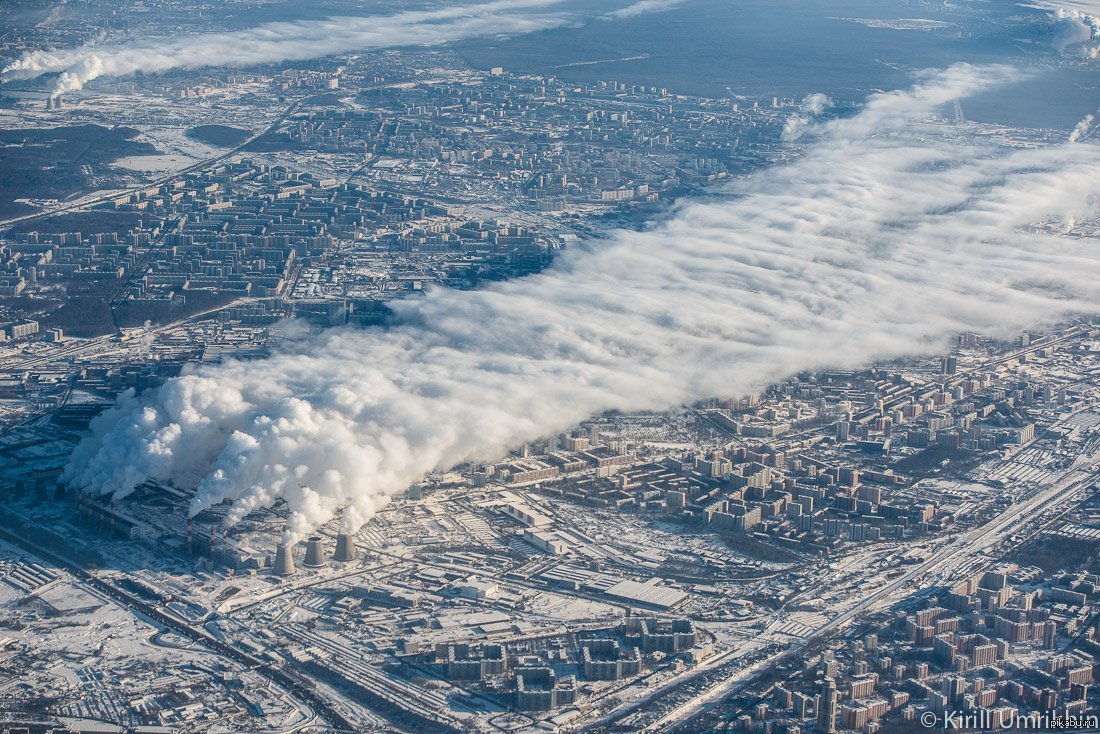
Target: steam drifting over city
x=524, y=366
x=821, y=263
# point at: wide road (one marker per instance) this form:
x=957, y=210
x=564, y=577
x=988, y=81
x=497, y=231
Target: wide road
x=947, y=555
x=107, y=341
x=94, y=200
x=87, y=202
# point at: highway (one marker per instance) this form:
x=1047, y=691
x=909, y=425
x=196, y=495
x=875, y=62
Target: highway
x=103, y=343
x=941, y=565
x=95, y=200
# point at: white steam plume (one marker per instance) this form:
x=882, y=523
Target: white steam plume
x=812, y=106
x=1075, y=29
x=887, y=236
x=286, y=41
x=1081, y=129
x=1076, y=24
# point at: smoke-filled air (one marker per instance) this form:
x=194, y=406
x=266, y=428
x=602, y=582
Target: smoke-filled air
x=1076, y=27
x=890, y=234
x=286, y=41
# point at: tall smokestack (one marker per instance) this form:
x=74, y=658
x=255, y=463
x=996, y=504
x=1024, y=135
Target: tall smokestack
x=315, y=552
x=284, y=560
x=345, y=547
x=188, y=536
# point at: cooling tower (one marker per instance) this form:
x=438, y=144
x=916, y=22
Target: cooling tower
x=345, y=547
x=284, y=560
x=315, y=552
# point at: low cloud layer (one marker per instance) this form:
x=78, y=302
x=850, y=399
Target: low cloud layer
x=1082, y=128
x=886, y=237
x=812, y=106
x=1076, y=32
x=287, y=41
x=305, y=39
x=1081, y=6
x=642, y=7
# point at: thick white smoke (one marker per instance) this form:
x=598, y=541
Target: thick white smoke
x=886, y=237
x=1076, y=30
x=1081, y=129
x=812, y=106
x=1076, y=25
x=286, y=41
